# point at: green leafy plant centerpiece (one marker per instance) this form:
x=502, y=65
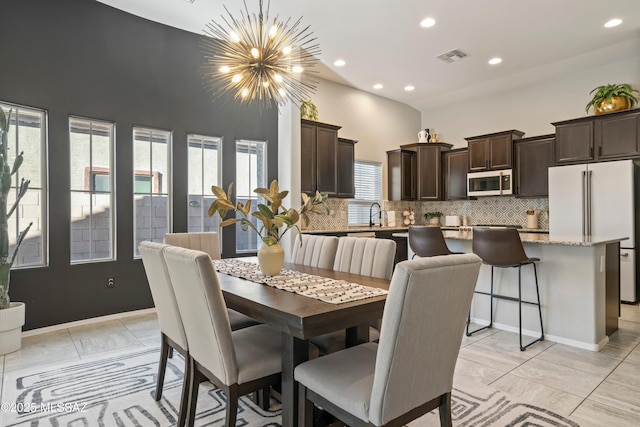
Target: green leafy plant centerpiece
x=605, y=97
x=275, y=218
x=308, y=110
x=6, y=176
x=428, y=216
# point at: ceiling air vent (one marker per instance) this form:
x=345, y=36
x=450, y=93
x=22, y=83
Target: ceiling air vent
x=452, y=55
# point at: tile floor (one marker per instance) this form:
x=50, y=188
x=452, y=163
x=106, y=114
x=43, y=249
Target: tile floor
x=593, y=389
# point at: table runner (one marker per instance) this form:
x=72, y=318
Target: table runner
x=333, y=291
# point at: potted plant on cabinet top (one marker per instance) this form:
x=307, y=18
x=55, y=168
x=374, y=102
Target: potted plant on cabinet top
x=308, y=110
x=611, y=98
x=11, y=313
x=276, y=219
x=433, y=218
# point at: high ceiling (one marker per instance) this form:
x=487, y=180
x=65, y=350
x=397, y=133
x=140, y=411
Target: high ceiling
x=382, y=40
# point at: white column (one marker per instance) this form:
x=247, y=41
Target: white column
x=289, y=164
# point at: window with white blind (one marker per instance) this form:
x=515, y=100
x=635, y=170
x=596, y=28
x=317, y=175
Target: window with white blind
x=368, y=182
x=204, y=171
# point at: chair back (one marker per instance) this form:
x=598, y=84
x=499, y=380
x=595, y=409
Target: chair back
x=162, y=293
x=500, y=247
x=365, y=256
x=205, y=242
x=315, y=251
x=422, y=326
x=203, y=311
x=426, y=241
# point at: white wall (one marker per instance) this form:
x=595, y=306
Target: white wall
x=558, y=95
x=378, y=124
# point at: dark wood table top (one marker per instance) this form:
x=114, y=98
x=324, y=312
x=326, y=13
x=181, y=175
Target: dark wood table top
x=298, y=315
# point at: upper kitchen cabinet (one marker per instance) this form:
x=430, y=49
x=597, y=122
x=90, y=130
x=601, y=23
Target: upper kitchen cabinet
x=455, y=165
x=493, y=151
x=318, y=157
x=345, y=165
x=428, y=169
x=610, y=136
x=401, y=174
x=533, y=158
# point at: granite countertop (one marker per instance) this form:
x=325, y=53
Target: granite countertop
x=362, y=229
x=539, y=238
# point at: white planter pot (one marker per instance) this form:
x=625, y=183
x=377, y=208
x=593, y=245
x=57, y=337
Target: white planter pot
x=11, y=321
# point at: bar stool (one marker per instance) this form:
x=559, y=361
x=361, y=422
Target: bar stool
x=426, y=241
x=502, y=248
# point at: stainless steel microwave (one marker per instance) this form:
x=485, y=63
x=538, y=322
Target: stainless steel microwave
x=490, y=183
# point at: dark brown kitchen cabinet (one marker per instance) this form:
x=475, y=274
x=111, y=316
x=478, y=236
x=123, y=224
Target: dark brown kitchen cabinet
x=533, y=158
x=401, y=174
x=492, y=151
x=613, y=136
x=455, y=164
x=345, y=165
x=429, y=169
x=318, y=157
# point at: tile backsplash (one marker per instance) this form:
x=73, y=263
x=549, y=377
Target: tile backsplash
x=485, y=210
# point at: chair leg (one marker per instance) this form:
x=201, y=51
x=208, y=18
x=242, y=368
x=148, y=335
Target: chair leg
x=194, y=382
x=232, y=406
x=162, y=365
x=170, y=352
x=184, y=398
x=490, y=314
x=535, y=273
x=445, y=410
x=263, y=398
x=305, y=408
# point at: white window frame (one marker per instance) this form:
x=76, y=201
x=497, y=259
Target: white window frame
x=167, y=181
x=44, y=187
x=252, y=196
x=202, y=141
x=359, y=206
x=91, y=190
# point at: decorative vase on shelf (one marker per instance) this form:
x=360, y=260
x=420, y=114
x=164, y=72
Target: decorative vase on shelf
x=271, y=259
x=11, y=322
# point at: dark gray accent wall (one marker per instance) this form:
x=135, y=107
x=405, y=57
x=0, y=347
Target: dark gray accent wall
x=80, y=57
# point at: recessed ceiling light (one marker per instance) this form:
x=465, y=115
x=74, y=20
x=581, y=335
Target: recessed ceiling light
x=613, y=22
x=339, y=63
x=409, y=88
x=377, y=86
x=428, y=22
x=494, y=61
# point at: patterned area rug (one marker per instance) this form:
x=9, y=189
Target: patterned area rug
x=118, y=391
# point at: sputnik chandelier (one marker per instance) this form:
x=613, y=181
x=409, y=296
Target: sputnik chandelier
x=258, y=61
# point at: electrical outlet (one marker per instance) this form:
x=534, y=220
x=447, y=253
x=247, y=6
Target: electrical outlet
x=111, y=282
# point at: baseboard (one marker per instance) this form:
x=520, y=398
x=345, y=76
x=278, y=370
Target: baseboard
x=89, y=321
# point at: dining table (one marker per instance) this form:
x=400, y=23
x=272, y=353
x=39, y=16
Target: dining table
x=300, y=317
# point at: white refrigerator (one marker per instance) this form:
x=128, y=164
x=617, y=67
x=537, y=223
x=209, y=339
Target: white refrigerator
x=598, y=199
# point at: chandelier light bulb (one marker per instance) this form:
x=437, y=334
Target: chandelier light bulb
x=258, y=60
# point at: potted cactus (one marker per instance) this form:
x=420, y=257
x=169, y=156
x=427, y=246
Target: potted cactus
x=11, y=313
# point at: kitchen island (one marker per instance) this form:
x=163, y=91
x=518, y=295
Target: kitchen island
x=579, y=280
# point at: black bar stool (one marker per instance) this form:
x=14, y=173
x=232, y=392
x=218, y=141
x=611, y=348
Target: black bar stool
x=502, y=248
x=426, y=241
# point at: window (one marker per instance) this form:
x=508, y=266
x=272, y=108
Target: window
x=152, y=185
x=92, y=198
x=368, y=182
x=27, y=133
x=251, y=173
x=204, y=171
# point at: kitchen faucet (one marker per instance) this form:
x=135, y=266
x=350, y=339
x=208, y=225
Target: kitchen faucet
x=371, y=213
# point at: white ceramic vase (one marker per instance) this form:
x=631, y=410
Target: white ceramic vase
x=271, y=259
x=11, y=321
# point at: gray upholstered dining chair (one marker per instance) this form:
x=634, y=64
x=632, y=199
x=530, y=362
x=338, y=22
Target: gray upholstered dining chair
x=315, y=251
x=171, y=329
x=365, y=257
x=410, y=372
x=209, y=243
x=238, y=362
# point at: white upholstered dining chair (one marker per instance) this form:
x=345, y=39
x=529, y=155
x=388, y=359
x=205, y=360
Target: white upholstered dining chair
x=171, y=329
x=315, y=251
x=238, y=362
x=365, y=257
x=209, y=243
x=410, y=372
